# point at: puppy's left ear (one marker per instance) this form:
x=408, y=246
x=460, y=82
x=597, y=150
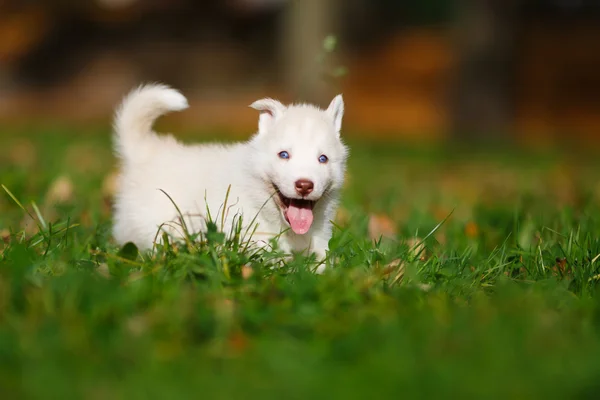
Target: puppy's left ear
x=270, y=111
x=336, y=111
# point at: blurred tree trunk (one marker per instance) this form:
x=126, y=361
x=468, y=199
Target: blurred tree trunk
x=483, y=96
x=305, y=25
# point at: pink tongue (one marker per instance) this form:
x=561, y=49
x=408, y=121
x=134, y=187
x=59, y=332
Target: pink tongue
x=300, y=218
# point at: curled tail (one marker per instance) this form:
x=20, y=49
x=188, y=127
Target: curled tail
x=136, y=115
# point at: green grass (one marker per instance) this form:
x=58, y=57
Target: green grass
x=501, y=300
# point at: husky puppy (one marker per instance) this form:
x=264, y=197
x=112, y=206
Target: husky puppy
x=285, y=180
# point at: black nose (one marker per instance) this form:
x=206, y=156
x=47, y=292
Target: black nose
x=304, y=187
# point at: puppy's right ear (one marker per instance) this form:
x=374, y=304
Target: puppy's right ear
x=270, y=111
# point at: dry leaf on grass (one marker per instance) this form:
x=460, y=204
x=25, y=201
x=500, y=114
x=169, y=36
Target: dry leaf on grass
x=394, y=270
x=61, y=191
x=472, y=230
x=238, y=342
x=561, y=268
x=416, y=247
x=28, y=225
x=392, y=266
x=5, y=235
x=247, y=272
x=381, y=225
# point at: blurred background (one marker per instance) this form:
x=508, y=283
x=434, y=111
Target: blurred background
x=420, y=69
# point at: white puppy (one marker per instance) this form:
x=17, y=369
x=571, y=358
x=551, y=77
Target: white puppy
x=288, y=175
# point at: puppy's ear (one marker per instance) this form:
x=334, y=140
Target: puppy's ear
x=336, y=111
x=270, y=110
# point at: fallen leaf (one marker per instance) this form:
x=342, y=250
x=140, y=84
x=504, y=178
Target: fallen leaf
x=392, y=266
x=61, y=191
x=561, y=263
x=561, y=269
x=29, y=226
x=394, y=270
x=247, y=272
x=381, y=225
x=238, y=342
x=5, y=235
x=471, y=230
x=416, y=247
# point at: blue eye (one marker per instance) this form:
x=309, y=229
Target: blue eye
x=284, y=154
x=323, y=159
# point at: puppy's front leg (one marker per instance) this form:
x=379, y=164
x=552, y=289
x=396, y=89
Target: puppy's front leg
x=319, y=248
x=261, y=242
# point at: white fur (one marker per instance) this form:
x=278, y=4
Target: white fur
x=198, y=176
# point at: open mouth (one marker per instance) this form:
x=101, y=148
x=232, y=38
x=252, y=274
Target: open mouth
x=297, y=212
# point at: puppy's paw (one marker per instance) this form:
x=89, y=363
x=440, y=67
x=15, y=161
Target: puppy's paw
x=321, y=258
x=321, y=268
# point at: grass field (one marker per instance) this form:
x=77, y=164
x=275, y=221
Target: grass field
x=499, y=301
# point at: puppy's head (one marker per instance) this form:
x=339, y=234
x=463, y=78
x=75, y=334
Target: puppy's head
x=300, y=154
